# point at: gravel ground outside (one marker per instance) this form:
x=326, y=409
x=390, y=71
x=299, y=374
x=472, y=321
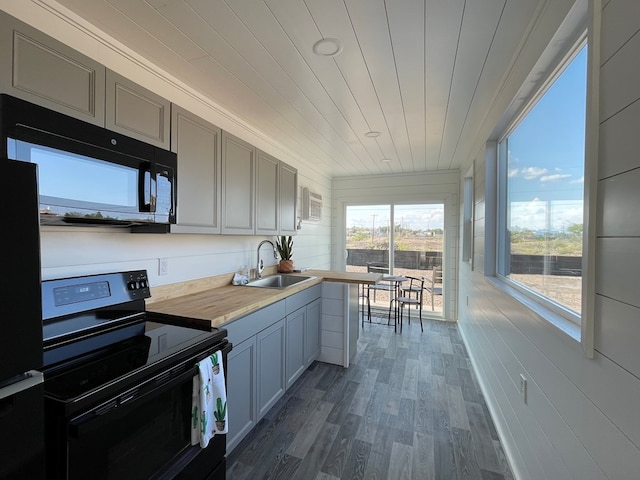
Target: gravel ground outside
x=566, y=290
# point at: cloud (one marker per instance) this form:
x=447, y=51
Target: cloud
x=578, y=180
x=555, y=177
x=528, y=173
x=539, y=214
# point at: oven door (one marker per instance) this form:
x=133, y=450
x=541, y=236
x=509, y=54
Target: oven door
x=144, y=433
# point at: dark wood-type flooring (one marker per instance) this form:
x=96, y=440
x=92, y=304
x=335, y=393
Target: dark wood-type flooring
x=409, y=407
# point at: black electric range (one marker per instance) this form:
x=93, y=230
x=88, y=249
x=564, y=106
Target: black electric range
x=118, y=382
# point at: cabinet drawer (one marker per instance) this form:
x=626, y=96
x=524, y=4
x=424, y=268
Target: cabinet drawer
x=300, y=299
x=244, y=327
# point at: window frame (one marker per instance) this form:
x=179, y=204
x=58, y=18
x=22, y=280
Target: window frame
x=468, y=215
x=549, y=309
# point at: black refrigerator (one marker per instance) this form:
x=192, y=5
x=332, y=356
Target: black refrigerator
x=21, y=384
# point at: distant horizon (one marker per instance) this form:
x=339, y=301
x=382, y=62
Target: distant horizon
x=415, y=217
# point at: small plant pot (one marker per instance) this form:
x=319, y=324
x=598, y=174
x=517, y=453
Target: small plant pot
x=220, y=425
x=285, y=266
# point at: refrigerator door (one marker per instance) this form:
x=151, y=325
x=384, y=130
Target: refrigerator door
x=20, y=293
x=22, y=429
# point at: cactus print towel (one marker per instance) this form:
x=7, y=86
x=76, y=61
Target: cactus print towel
x=209, y=401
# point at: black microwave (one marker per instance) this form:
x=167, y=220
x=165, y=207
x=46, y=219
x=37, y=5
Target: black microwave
x=88, y=175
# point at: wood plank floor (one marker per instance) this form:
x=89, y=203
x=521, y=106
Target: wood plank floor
x=408, y=408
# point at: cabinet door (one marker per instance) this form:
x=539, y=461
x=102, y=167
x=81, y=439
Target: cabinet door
x=197, y=143
x=312, y=332
x=241, y=392
x=136, y=112
x=238, y=171
x=267, y=203
x=271, y=369
x=41, y=70
x=288, y=198
x=295, y=353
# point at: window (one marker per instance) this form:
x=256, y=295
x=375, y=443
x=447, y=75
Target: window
x=417, y=236
x=467, y=217
x=541, y=194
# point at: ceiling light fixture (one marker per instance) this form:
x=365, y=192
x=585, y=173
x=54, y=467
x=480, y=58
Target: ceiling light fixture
x=372, y=134
x=386, y=160
x=327, y=47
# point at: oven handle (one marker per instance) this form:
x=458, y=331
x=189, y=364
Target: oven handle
x=123, y=403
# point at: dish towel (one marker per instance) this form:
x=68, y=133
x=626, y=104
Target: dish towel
x=208, y=401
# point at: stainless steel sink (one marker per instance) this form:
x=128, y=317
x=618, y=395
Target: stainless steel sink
x=279, y=281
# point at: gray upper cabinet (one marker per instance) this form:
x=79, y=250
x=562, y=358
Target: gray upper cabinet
x=136, y=112
x=41, y=70
x=276, y=189
x=238, y=177
x=267, y=194
x=198, y=145
x=288, y=186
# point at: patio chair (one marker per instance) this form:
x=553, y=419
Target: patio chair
x=373, y=267
x=416, y=286
x=364, y=295
x=435, y=288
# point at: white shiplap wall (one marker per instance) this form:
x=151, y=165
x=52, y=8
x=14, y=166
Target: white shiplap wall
x=580, y=420
x=433, y=187
x=78, y=251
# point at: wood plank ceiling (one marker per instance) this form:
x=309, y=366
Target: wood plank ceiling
x=423, y=73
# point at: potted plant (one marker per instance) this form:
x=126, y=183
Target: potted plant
x=284, y=245
x=220, y=414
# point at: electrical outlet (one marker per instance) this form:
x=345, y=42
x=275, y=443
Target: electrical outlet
x=523, y=388
x=163, y=266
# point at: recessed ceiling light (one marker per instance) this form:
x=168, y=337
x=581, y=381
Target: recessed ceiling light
x=372, y=134
x=327, y=47
x=386, y=160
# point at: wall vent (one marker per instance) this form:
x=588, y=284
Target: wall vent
x=311, y=205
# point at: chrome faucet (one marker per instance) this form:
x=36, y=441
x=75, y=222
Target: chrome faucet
x=260, y=266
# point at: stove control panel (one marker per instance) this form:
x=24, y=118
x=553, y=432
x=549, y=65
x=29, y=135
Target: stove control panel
x=66, y=296
x=137, y=284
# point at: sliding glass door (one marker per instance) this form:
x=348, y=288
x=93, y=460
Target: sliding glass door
x=417, y=237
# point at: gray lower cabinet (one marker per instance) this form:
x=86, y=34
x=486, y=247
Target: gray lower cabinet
x=303, y=331
x=197, y=143
x=271, y=348
x=255, y=368
x=134, y=111
x=271, y=361
x=295, y=344
x=303, y=340
x=241, y=390
x=41, y=70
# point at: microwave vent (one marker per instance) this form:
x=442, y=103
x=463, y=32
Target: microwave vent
x=311, y=205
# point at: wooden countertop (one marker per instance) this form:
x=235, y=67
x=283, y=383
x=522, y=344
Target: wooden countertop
x=223, y=304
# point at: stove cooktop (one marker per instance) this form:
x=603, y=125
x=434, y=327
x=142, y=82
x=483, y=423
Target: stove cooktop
x=81, y=368
x=98, y=338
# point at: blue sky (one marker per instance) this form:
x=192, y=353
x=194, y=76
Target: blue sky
x=546, y=155
x=416, y=217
